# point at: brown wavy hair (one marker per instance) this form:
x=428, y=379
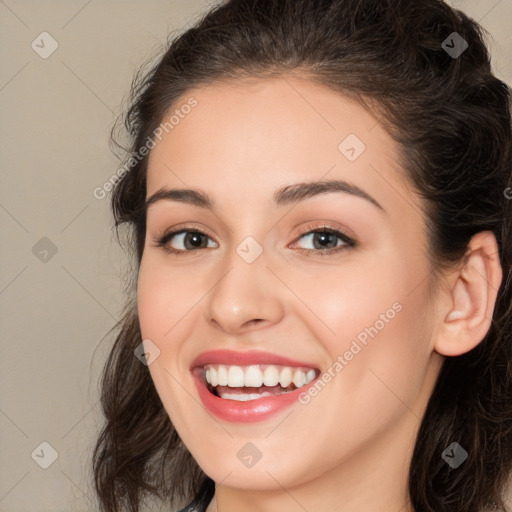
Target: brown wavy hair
x=451, y=120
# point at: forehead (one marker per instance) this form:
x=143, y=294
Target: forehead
x=247, y=137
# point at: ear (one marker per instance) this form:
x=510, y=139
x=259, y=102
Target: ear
x=468, y=297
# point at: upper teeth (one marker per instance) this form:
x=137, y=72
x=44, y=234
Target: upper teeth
x=257, y=375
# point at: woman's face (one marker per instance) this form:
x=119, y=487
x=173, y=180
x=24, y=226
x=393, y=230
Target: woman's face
x=263, y=285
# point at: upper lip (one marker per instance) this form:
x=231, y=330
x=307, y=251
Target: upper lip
x=247, y=358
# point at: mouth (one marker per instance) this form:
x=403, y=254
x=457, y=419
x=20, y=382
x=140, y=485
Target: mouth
x=245, y=387
x=253, y=382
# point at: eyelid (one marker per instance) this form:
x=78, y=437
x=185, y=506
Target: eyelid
x=312, y=227
x=180, y=228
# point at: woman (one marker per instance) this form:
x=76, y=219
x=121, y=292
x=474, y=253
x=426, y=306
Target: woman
x=319, y=197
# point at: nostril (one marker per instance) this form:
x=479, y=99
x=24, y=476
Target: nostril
x=257, y=320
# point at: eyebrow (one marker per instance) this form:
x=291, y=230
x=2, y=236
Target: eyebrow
x=290, y=194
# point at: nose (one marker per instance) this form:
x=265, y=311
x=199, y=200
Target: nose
x=245, y=296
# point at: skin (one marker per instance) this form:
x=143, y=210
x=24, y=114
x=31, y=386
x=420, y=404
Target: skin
x=349, y=448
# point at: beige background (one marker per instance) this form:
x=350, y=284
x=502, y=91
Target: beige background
x=56, y=116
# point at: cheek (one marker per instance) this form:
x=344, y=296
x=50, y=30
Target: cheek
x=163, y=319
x=164, y=296
x=152, y=304
x=375, y=329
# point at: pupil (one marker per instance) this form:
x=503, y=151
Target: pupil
x=324, y=237
x=195, y=239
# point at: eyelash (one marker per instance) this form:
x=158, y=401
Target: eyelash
x=349, y=243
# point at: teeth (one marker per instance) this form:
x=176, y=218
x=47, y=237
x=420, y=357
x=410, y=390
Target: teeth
x=253, y=377
x=286, y=377
x=235, y=377
x=299, y=378
x=222, y=376
x=271, y=376
x=213, y=377
x=257, y=375
x=245, y=396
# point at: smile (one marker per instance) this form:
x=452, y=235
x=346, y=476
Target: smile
x=249, y=386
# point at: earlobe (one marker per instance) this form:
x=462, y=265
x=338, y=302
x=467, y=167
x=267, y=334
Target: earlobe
x=471, y=297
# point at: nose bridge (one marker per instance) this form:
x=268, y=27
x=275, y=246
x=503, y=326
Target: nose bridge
x=246, y=290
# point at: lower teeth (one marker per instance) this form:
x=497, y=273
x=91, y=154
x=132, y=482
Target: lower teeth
x=244, y=397
x=240, y=396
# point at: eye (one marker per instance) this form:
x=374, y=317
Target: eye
x=188, y=240
x=326, y=240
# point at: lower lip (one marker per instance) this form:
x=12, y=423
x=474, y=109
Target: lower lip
x=249, y=411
